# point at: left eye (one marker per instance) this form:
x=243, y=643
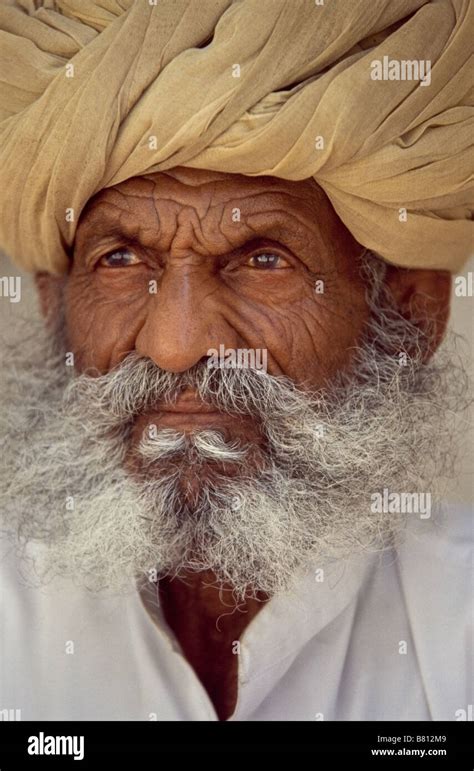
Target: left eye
x=122, y=258
x=268, y=261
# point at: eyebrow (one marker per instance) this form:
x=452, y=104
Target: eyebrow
x=277, y=229
x=109, y=231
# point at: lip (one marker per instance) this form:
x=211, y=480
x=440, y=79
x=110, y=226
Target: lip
x=187, y=407
x=187, y=404
x=184, y=420
x=191, y=409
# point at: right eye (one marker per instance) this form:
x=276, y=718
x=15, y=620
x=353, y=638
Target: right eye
x=121, y=258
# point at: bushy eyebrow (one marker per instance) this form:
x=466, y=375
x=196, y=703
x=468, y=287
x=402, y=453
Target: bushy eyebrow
x=110, y=215
x=278, y=228
x=110, y=229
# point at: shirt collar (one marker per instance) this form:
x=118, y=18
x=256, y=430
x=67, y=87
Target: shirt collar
x=284, y=625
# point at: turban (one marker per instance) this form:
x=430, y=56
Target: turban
x=93, y=92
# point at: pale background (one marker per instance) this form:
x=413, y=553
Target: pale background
x=461, y=489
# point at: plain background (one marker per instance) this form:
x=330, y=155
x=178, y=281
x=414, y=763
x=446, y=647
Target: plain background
x=461, y=488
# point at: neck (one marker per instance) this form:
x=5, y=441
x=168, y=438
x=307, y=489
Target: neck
x=208, y=627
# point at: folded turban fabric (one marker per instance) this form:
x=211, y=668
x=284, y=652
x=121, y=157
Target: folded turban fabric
x=93, y=92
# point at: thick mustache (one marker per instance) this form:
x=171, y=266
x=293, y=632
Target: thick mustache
x=137, y=386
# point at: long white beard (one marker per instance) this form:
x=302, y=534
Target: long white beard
x=63, y=482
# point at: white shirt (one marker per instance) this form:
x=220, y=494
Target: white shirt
x=378, y=639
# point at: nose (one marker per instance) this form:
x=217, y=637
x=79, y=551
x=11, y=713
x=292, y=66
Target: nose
x=185, y=319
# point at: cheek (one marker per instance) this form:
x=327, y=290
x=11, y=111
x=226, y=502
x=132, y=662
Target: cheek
x=330, y=332
x=312, y=338
x=102, y=324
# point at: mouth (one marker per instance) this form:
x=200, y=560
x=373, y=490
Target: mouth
x=186, y=412
x=187, y=403
x=187, y=407
x=186, y=420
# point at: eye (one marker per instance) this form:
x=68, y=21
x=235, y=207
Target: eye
x=122, y=258
x=268, y=261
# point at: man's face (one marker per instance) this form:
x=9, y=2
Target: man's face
x=168, y=464
x=176, y=264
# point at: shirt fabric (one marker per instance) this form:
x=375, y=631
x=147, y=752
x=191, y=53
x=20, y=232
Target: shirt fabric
x=382, y=637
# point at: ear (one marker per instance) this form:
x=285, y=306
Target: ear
x=49, y=292
x=423, y=298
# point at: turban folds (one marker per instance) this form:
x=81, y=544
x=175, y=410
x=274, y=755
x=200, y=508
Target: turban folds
x=93, y=92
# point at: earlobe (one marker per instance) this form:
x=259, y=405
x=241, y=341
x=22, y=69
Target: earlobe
x=49, y=292
x=423, y=298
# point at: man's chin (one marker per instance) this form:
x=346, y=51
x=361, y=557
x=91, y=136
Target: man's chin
x=191, y=478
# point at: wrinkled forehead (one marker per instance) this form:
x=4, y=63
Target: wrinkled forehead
x=202, y=188
x=152, y=200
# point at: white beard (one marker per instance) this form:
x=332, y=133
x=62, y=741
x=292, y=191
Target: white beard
x=63, y=482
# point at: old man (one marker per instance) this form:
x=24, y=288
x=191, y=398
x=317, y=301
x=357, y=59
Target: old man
x=193, y=534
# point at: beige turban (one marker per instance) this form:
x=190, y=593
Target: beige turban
x=372, y=98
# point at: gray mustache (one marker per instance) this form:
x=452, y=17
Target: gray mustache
x=137, y=385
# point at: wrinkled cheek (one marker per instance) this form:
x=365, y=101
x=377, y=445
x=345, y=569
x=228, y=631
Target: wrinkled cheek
x=325, y=341
x=100, y=332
